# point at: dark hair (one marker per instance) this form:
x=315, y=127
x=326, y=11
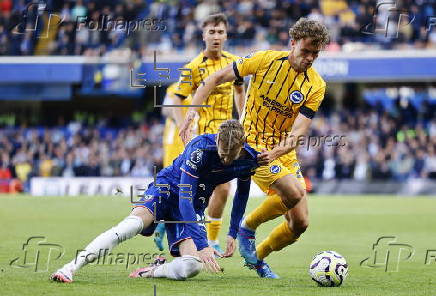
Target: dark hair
x=305, y=28
x=215, y=19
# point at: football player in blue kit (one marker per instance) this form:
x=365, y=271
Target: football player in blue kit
x=181, y=193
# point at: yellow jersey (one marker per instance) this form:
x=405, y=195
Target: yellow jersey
x=275, y=96
x=220, y=99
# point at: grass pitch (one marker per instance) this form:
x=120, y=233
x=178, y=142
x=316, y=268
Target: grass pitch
x=349, y=226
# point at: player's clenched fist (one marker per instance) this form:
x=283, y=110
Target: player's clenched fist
x=207, y=255
x=267, y=156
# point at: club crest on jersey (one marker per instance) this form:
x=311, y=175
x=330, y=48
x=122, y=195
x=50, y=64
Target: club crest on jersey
x=296, y=97
x=275, y=169
x=196, y=156
x=148, y=197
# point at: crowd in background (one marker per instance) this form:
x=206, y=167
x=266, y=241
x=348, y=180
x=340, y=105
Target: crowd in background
x=374, y=145
x=253, y=24
x=263, y=24
x=76, y=150
x=79, y=27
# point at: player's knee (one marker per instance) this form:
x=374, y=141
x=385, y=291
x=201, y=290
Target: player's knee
x=300, y=226
x=299, y=192
x=293, y=195
x=128, y=228
x=143, y=214
x=191, y=267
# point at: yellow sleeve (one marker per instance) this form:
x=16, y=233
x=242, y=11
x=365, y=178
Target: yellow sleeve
x=186, y=86
x=313, y=102
x=249, y=64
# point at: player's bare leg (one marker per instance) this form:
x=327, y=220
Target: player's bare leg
x=215, y=209
x=288, y=232
x=186, y=266
x=133, y=224
x=289, y=192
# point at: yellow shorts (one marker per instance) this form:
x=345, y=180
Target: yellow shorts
x=282, y=166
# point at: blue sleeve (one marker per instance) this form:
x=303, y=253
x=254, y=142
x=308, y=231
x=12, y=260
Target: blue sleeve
x=239, y=205
x=187, y=211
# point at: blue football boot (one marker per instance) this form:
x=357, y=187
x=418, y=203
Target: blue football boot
x=247, y=245
x=264, y=271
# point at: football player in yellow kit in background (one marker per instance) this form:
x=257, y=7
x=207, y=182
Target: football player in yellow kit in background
x=213, y=58
x=284, y=94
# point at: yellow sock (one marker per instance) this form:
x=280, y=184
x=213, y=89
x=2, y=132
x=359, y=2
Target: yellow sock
x=280, y=237
x=213, y=228
x=269, y=209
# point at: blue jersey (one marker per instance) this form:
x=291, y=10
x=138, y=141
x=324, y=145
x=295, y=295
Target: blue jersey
x=196, y=172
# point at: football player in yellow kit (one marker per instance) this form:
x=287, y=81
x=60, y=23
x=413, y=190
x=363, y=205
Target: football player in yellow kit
x=284, y=94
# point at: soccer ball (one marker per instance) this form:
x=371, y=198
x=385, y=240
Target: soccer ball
x=328, y=269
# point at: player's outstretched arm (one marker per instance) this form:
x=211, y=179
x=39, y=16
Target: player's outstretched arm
x=226, y=74
x=188, y=185
x=238, y=210
x=177, y=113
x=239, y=98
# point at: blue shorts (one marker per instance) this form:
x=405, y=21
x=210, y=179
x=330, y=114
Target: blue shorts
x=166, y=208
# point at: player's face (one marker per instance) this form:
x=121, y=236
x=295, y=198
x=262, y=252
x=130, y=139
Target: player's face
x=303, y=53
x=227, y=156
x=215, y=36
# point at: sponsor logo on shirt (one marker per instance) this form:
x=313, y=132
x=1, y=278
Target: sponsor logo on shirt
x=276, y=106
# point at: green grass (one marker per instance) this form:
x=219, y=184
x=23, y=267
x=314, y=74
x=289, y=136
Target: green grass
x=347, y=225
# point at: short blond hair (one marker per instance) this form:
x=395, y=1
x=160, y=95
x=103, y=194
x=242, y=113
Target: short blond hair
x=305, y=28
x=231, y=134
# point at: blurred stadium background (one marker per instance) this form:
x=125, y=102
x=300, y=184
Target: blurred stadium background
x=68, y=109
